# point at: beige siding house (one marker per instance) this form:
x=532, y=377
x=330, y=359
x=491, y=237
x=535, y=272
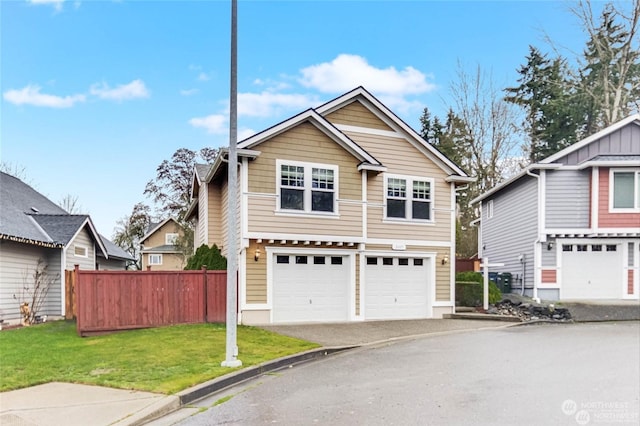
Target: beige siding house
x=346, y=214
x=159, y=249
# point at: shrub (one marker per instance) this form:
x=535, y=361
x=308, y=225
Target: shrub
x=211, y=257
x=469, y=289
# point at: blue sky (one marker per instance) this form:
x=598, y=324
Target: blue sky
x=95, y=94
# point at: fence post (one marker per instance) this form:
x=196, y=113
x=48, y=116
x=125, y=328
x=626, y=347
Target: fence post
x=205, y=293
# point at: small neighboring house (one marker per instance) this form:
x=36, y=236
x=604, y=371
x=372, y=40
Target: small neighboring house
x=568, y=227
x=345, y=214
x=33, y=229
x=159, y=251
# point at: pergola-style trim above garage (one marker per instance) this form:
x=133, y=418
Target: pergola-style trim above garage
x=307, y=242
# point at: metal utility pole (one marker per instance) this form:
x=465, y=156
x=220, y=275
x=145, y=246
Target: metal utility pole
x=231, y=359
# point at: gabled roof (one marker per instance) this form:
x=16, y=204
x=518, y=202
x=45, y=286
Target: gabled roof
x=322, y=124
x=389, y=117
x=153, y=227
x=596, y=136
x=114, y=251
x=29, y=217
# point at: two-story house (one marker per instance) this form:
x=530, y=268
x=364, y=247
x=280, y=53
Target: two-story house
x=568, y=227
x=159, y=248
x=346, y=214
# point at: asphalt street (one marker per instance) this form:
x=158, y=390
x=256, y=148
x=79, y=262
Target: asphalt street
x=561, y=374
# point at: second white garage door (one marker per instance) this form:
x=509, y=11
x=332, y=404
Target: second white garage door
x=592, y=271
x=396, y=288
x=310, y=288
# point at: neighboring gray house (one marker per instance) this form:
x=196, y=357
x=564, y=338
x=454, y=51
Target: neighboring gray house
x=568, y=227
x=34, y=229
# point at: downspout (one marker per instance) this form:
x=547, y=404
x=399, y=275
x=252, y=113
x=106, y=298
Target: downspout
x=536, y=243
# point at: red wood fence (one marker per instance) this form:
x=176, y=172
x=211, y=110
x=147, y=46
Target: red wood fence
x=120, y=300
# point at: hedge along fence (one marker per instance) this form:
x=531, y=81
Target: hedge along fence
x=470, y=290
x=122, y=300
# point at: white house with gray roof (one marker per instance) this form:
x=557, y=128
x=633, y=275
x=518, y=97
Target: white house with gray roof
x=34, y=229
x=568, y=227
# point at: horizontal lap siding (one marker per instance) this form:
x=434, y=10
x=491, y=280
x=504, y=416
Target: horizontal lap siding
x=17, y=265
x=355, y=114
x=400, y=157
x=215, y=214
x=158, y=237
x=201, y=228
x=568, y=196
x=87, y=263
x=303, y=143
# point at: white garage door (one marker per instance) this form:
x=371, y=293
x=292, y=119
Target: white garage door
x=591, y=271
x=396, y=288
x=310, y=288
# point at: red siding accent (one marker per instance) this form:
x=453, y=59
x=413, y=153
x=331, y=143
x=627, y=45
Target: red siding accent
x=612, y=220
x=549, y=276
x=630, y=281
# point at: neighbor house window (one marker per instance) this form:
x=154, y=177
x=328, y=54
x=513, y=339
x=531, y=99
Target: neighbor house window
x=409, y=198
x=625, y=190
x=155, y=259
x=307, y=187
x=80, y=251
x=170, y=239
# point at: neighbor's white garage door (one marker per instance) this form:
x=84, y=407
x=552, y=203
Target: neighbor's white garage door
x=396, y=288
x=310, y=288
x=591, y=271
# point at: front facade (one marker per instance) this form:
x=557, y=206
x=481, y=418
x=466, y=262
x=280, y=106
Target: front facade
x=159, y=249
x=39, y=237
x=345, y=214
x=568, y=228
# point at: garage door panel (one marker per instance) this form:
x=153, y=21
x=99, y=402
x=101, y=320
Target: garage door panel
x=396, y=288
x=305, y=292
x=591, y=271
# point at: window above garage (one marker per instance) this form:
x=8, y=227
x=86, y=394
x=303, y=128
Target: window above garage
x=408, y=198
x=307, y=187
x=625, y=191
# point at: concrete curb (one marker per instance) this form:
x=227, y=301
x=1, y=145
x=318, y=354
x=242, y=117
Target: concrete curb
x=485, y=317
x=174, y=402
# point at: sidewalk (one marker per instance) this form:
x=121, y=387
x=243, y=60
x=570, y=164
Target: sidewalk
x=79, y=405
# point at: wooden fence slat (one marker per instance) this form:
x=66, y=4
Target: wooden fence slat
x=122, y=300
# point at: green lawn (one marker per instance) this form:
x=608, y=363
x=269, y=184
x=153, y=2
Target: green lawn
x=164, y=360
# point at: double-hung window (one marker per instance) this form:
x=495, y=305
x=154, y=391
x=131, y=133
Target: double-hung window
x=409, y=198
x=625, y=190
x=155, y=259
x=307, y=187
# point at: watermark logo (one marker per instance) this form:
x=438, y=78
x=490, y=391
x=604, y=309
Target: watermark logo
x=594, y=412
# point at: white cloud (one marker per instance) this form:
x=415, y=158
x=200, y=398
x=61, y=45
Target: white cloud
x=30, y=95
x=267, y=104
x=346, y=72
x=214, y=123
x=203, y=77
x=245, y=133
x=57, y=4
x=188, y=92
x=133, y=90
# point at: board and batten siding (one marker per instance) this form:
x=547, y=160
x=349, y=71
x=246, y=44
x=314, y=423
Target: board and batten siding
x=18, y=263
x=625, y=141
x=356, y=114
x=82, y=239
x=304, y=143
x=568, y=194
x=402, y=158
x=513, y=229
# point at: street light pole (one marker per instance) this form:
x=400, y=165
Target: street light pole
x=231, y=359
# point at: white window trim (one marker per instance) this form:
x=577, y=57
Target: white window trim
x=307, y=188
x=408, y=205
x=170, y=238
x=80, y=246
x=636, y=199
x=490, y=209
x=151, y=256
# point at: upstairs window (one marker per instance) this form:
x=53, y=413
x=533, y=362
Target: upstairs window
x=625, y=190
x=170, y=239
x=307, y=187
x=409, y=198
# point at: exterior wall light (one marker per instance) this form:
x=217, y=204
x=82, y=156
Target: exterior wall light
x=445, y=259
x=256, y=255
